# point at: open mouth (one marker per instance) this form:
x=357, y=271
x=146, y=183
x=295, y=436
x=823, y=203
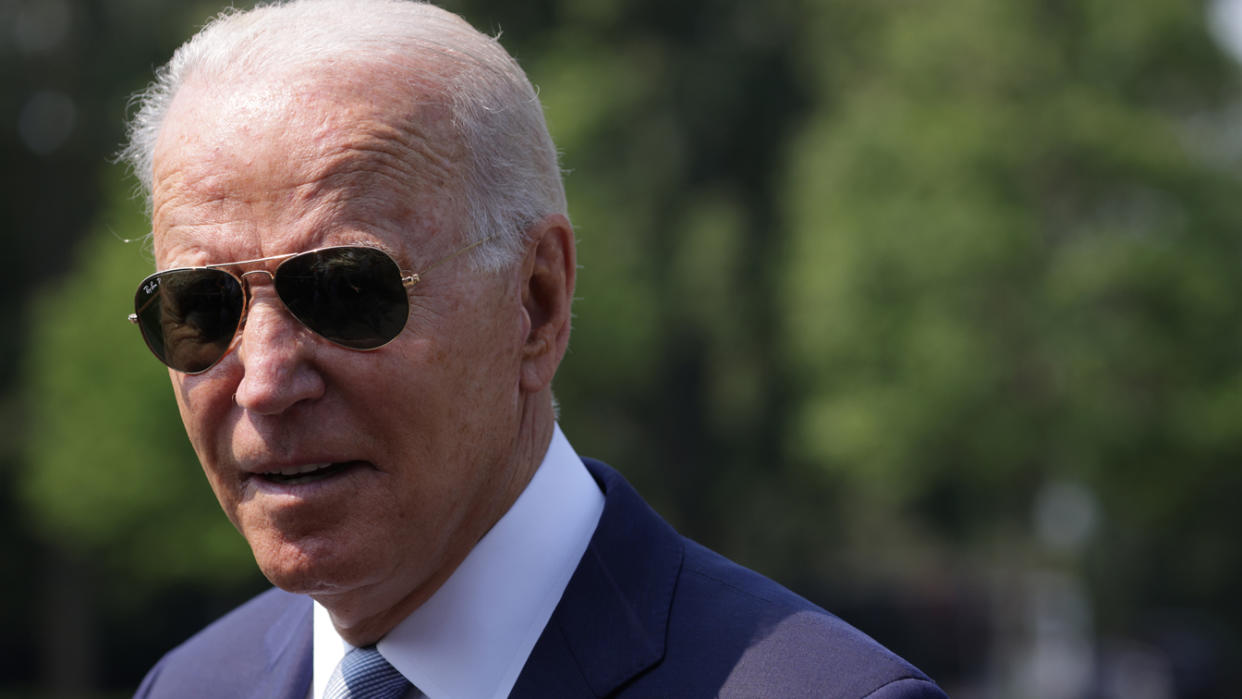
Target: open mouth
x=309, y=473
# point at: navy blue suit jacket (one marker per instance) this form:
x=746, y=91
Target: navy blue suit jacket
x=647, y=613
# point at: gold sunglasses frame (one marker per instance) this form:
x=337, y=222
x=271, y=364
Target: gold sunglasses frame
x=408, y=280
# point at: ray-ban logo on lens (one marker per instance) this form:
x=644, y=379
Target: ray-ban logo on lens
x=151, y=286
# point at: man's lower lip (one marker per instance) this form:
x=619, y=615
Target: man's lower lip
x=333, y=471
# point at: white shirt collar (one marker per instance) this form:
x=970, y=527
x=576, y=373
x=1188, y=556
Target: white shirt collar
x=472, y=637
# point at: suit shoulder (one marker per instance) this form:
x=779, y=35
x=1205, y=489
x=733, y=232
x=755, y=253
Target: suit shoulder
x=244, y=626
x=776, y=643
x=237, y=647
x=692, y=623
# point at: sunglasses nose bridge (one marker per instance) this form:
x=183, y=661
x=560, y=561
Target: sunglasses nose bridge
x=246, y=275
x=247, y=296
x=248, y=281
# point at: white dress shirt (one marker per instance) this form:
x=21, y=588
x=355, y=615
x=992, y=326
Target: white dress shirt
x=471, y=639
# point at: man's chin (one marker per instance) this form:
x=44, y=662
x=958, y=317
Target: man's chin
x=310, y=572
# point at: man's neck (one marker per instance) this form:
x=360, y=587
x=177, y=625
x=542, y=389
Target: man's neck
x=474, y=634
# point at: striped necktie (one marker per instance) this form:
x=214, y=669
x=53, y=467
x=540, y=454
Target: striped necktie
x=364, y=674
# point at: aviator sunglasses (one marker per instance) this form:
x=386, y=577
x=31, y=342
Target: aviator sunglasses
x=353, y=296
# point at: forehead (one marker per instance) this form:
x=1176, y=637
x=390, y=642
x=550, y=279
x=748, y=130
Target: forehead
x=320, y=144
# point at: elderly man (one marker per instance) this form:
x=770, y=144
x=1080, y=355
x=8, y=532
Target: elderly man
x=364, y=292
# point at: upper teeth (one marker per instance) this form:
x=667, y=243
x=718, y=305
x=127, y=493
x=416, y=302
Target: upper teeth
x=299, y=470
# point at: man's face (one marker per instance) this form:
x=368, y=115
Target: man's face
x=417, y=437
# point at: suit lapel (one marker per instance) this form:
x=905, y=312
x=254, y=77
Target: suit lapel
x=288, y=644
x=611, y=621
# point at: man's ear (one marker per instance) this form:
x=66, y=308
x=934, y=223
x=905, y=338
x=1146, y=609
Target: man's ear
x=547, y=279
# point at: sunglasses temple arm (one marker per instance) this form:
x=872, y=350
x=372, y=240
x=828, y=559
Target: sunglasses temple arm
x=414, y=278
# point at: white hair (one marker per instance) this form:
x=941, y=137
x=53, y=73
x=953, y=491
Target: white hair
x=511, y=176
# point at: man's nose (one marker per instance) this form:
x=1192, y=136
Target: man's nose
x=275, y=352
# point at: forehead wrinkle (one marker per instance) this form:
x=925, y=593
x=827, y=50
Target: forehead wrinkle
x=180, y=213
x=416, y=152
x=385, y=167
x=350, y=150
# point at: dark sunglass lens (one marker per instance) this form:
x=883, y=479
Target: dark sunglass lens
x=189, y=317
x=352, y=296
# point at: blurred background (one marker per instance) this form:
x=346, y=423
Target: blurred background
x=930, y=310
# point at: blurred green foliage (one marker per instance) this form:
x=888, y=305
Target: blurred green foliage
x=112, y=477
x=864, y=286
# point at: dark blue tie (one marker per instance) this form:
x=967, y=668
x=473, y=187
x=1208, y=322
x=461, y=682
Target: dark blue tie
x=364, y=674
